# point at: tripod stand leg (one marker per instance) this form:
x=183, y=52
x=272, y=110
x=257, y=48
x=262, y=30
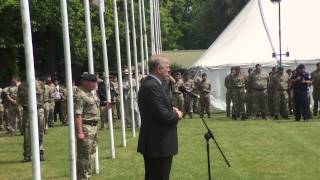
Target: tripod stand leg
x=208, y=157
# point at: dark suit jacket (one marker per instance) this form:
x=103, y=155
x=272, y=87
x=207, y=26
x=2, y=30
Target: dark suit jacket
x=158, y=133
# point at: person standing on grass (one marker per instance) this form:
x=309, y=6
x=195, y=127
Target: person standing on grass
x=87, y=116
x=300, y=82
x=315, y=77
x=158, y=140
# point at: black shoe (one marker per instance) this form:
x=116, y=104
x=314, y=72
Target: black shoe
x=41, y=157
x=234, y=117
x=297, y=119
x=276, y=117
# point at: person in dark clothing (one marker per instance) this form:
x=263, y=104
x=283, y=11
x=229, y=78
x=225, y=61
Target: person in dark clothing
x=158, y=140
x=300, y=84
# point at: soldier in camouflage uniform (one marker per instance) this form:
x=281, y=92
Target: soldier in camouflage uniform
x=87, y=116
x=315, y=77
x=227, y=85
x=280, y=83
x=177, y=99
x=249, y=108
x=23, y=100
x=189, y=85
x=46, y=106
x=64, y=110
x=14, y=109
x=204, y=89
x=1, y=111
x=52, y=101
x=271, y=91
x=238, y=81
x=258, y=82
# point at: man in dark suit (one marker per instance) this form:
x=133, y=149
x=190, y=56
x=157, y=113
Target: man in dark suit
x=158, y=140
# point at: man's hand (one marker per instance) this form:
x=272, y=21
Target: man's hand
x=81, y=136
x=180, y=114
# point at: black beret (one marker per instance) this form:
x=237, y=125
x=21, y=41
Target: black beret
x=89, y=77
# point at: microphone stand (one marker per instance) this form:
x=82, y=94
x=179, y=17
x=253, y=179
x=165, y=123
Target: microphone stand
x=209, y=135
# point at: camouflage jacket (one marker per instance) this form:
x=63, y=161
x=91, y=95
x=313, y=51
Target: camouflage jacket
x=258, y=80
x=23, y=94
x=280, y=81
x=315, y=76
x=86, y=104
x=204, y=87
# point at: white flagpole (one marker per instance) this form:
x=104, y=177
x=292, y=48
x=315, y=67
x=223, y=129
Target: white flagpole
x=28, y=50
x=89, y=35
x=158, y=26
x=153, y=48
x=155, y=26
x=135, y=55
x=159, y=19
x=125, y=4
x=68, y=71
x=116, y=29
x=106, y=75
x=141, y=39
x=145, y=39
x=90, y=61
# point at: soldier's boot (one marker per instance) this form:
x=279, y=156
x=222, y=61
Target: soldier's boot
x=234, y=117
x=243, y=116
x=26, y=159
x=190, y=114
x=286, y=117
x=264, y=117
x=276, y=117
x=315, y=113
x=41, y=155
x=209, y=115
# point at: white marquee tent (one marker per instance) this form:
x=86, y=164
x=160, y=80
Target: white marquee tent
x=253, y=36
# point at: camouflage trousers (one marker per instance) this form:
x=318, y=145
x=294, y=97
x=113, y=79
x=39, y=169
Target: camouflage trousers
x=51, y=114
x=177, y=101
x=316, y=99
x=205, y=105
x=103, y=116
x=249, y=100
x=46, y=115
x=86, y=152
x=280, y=100
x=14, y=119
x=228, y=102
x=237, y=95
x=27, y=132
x=64, y=111
x=1, y=117
x=260, y=102
x=188, y=109
x=271, y=103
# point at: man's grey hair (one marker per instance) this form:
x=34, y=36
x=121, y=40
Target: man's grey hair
x=157, y=61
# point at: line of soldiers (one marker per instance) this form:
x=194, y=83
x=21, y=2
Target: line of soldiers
x=277, y=94
x=190, y=94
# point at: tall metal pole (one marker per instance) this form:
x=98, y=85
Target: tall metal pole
x=134, y=38
x=159, y=28
x=89, y=35
x=68, y=72
x=106, y=75
x=156, y=30
x=141, y=38
x=116, y=29
x=135, y=56
x=33, y=114
x=90, y=60
x=280, y=48
x=153, y=48
x=145, y=39
x=129, y=67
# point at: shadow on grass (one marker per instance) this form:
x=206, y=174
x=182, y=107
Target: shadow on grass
x=11, y=162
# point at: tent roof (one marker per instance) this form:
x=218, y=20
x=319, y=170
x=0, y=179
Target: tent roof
x=245, y=41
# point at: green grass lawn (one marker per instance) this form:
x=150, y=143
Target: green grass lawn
x=256, y=149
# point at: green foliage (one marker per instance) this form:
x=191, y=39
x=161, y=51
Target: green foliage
x=185, y=24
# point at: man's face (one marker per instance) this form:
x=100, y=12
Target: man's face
x=90, y=85
x=204, y=78
x=177, y=77
x=237, y=71
x=164, y=70
x=258, y=68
